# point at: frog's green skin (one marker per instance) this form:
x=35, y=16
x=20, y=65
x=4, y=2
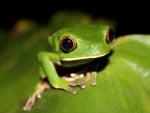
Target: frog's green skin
x=89, y=43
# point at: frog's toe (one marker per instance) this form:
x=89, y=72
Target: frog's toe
x=30, y=102
x=71, y=90
x=83, y=86
x=93, y=83
x=65, y=85
x=93, y=78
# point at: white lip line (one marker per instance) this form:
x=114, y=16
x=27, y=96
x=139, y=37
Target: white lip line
x=81, y=58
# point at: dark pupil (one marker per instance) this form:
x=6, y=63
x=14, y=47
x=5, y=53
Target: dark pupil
x=67, y=44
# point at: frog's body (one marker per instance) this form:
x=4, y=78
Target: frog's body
x=71, y=47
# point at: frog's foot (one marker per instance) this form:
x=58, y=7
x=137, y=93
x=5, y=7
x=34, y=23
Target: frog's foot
x=89, y=76
x=76, y=79
x=41, y=87
x=64, y=85
x=85, y=80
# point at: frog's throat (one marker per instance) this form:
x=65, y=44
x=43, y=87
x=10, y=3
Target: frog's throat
x=82, y=58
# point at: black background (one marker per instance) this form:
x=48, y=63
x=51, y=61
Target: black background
x=131, y=16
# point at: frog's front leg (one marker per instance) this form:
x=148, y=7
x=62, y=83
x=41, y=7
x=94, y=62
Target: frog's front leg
x=47, y=61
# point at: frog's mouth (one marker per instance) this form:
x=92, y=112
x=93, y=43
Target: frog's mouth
x=95, y=64
x=84, y=57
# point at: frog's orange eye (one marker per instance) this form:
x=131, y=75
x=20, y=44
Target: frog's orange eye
x=68, y=44
x=110, y=36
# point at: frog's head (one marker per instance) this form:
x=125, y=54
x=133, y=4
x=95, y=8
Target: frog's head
x=81, y=42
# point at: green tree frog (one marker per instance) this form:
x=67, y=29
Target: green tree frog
x=69, y=48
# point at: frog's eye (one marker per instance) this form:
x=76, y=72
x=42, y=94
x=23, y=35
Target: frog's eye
x=68, y=44
x=110, y=36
